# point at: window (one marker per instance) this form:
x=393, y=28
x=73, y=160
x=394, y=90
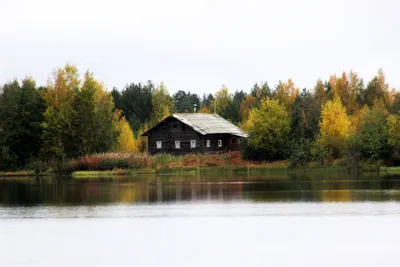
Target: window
x=177, y=144
x=238, y=141
x=192, y=143
x=175, y=125
x=158, y=144
x=208, y=143
x=219, y=143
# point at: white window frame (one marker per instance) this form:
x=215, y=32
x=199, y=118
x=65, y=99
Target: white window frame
x=192, y=143
x=238, y=141
x=208, y=143
x=219, y=143
x=177, y=144
x=159, y=144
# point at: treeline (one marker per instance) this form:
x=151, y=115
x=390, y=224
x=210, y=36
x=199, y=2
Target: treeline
x=69, y=117
x=342, y=119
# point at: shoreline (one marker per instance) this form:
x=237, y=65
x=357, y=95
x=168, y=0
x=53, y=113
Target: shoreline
x=195, y=171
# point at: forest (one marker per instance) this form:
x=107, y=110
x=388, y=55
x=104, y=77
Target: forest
x=343, y=119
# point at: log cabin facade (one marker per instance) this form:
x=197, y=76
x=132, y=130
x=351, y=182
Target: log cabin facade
x=194, y=133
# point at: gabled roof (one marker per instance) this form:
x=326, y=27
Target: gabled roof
x=204, y=123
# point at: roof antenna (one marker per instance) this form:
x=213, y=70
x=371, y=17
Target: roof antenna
x=195, y=106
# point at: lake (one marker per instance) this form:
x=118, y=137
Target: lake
x=274, y=220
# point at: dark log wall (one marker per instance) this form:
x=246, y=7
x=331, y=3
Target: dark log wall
x=229, y=143
x=172, y=130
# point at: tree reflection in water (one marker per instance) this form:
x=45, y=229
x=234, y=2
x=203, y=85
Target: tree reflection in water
x=279, y=188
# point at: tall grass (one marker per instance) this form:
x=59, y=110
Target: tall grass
x=112, y=161
x=109, y=161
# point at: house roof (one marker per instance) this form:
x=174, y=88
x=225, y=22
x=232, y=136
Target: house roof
x=204, y=123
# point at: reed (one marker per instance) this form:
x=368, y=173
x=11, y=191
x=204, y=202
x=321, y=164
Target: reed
x=111, y=161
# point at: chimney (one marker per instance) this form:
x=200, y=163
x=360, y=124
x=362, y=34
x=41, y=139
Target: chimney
x=195, y=106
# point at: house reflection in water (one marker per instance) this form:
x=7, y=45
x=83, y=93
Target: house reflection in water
x=194, y=191
x=159, y=190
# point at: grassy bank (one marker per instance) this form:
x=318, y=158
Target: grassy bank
x=165, y=162
x=390, y=170
x=17, y=173
x=25, y=173
x=186, y=170
x=192, y=164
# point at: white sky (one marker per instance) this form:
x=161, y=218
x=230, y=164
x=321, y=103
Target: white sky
x=200, y=45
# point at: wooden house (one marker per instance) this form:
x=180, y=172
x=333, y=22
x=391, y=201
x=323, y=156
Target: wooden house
x=184, y=133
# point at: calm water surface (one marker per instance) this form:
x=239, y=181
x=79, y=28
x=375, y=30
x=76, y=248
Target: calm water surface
x=297, y=220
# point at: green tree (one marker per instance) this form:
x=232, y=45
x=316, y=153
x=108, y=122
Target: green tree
x=116, y=97
x=94, y=119
x=233, y=110
x=261, y=91
x=374, y=135
x=320, y=93
x=394, y=135
x=79, y=118
x=303, y=128
x=207, y=101
x=356, y=88
x=395, y=108
x=223, y=99
x=163, y=105
x=270, y=126
x=184, y=102
x=21, y=109
x=377, y=89
x=135, y=100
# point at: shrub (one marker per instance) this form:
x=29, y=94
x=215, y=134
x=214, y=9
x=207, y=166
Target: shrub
x=162, y=160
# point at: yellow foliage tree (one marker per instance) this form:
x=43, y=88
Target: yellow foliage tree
x=125, y=141
x=246, y=106
x=246, y=125
x=347, y=87
x=141, y=141
x=286, y=93
x=204, y=109
x=61, y=88
x=334, y=126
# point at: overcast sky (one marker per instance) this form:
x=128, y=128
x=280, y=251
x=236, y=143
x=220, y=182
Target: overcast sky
x=200, y=45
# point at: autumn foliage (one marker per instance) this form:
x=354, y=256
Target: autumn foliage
x=342, y=119
x=334, y=125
